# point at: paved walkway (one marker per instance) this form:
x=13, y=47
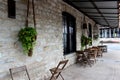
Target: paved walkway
x=106, y=68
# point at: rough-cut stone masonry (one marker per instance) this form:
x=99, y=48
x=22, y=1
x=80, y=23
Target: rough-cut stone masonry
x=49, y=48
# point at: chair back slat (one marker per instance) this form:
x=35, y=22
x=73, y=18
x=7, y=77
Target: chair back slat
x=62, y=64
x=17, y=70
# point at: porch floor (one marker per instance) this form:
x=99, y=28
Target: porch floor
x=106, y=68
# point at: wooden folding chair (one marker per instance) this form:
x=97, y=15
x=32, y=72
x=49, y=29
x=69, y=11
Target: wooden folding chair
x=93, y=55
x=57, y=70
x=86, y=58
x=79, y=55
x=19, y=69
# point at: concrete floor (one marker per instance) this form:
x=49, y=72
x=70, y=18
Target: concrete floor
x=106, y=68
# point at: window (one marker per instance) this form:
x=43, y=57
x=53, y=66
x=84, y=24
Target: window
x=100, y=30
x=116, y=33
x=11, y=9
x=108, y=34
x=90, y=31
x=69, y=33
x=112, y=36
x=119, y=32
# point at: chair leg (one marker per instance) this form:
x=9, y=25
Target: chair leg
x=11, y=74
x=52, y=78
x=61, y=76
x=89, y=62
x=28, y=74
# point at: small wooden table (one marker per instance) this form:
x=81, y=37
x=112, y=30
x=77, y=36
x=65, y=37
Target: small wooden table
x=103, y=47
x=83, y=57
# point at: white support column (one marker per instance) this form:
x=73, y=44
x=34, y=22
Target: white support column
x=109, y=32
x=105, y=33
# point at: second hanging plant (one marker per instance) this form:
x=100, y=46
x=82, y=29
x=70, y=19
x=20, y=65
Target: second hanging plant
x=85, y=41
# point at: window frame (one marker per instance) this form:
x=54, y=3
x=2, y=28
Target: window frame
x=69, y=33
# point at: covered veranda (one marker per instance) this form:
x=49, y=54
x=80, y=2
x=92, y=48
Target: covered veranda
x=106, y=13
x=60, y=25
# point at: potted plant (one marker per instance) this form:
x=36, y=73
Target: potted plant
x=27, y=36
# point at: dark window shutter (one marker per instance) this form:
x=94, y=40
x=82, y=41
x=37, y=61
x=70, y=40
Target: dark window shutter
x=11, y=9
x=90, y=30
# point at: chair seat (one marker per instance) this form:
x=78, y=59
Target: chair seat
x=55, y=70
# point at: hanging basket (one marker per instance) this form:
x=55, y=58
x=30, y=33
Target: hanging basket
x=30, y=53
x=84, y=26
x=27, y=36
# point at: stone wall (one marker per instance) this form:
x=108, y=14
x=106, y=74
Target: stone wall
x=49, y=48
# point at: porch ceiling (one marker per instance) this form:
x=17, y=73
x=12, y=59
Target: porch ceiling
x=104, y=12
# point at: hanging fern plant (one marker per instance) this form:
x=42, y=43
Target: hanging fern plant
x=27, y=36
x=85, y=41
